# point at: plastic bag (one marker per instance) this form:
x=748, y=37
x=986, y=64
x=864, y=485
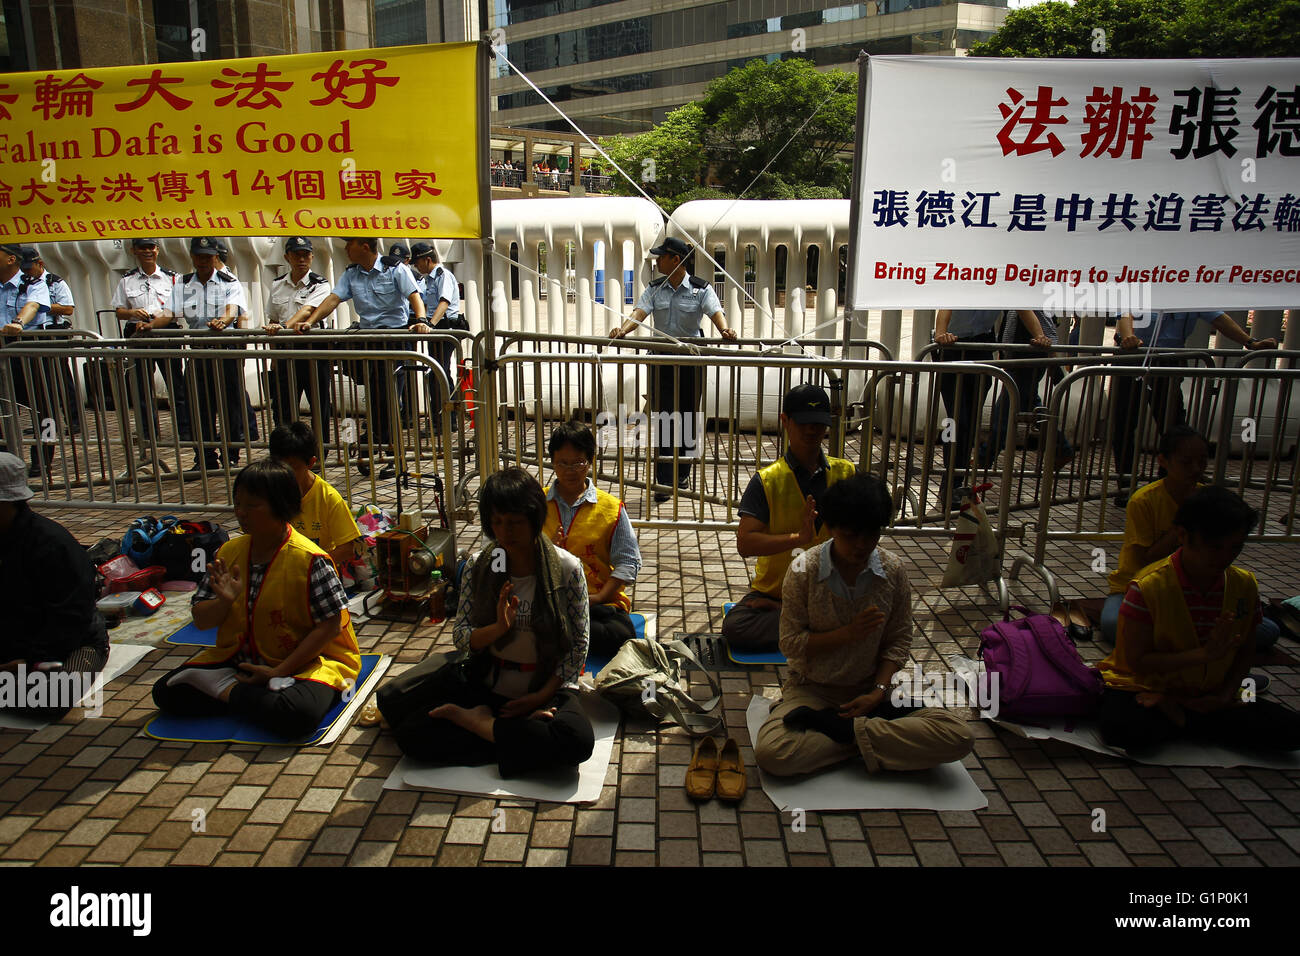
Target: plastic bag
x=974, y=557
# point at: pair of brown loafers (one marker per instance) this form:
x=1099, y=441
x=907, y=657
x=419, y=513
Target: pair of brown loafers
x=713, y=773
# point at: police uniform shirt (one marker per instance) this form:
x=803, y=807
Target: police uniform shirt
x=201, y=302
x=17, y=292
x=60, y=292
x=149, y=292
x=1171, y=329
x=679, y=311
x=438, y=285
x=287, y=299
x=382, y=294
x=965, y=323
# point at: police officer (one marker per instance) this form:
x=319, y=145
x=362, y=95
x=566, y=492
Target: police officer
x=62, y=305
x=23, y=305
x=294, y=296
x=140, y=294
x=679, y=302
x=441, y=295
x=211, y=298
x=384, y=295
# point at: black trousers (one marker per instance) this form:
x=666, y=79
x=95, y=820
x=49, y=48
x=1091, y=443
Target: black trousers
x=293, y=712
x=611, y=626
x=144, y=399
x=675, y=392
x=963, y=398
x=1164, y=400
x=444, y=354
x=750, y=628
x=1263, y=725
x=221, y=393
x=522, y=745
x=293, y=378
x=376, y=377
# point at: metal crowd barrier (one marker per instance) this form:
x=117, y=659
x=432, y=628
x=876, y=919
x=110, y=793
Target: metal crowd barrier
x=1255, y=446
x=125, y=448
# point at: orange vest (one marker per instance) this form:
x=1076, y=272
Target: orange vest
x=281, y=615
x=588, y=539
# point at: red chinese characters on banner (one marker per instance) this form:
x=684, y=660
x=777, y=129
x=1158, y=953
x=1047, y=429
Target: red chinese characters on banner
x=258, y=88
x=6, y=99
x=155, y=84
x=415, y=184
x=75, y=97
x=124, y=186
x=1038, y=122
x=1114, y=122
x=338, y=81
x=360, y=184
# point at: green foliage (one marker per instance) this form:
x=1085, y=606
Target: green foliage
x=1149, y=29
x=699, y=192
x=769, y=130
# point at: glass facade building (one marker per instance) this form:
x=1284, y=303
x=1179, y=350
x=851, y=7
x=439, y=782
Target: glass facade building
x=622, y=65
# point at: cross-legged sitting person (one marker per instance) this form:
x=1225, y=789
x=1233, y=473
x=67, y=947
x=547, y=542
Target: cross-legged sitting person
x=1184, y=644
x=522, y=620
x=593, y=526
x=285, y=648
x=778, y=514
x=846, y=628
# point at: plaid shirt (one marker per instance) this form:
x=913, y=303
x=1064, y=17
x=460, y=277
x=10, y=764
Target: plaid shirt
x=327, y=595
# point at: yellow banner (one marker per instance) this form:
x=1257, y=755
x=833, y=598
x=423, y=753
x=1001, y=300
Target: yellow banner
x=360, y=142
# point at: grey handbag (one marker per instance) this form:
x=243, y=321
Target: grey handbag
x=645, y=677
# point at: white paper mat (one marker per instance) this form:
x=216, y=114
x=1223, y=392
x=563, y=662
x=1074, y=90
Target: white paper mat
x=121, y=658
x=1085, y=734
x=580, y=786
x=850, y=787
x=344, y=719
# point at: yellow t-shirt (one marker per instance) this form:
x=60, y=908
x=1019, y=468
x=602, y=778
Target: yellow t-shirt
x=325, y=517
x=1149, y=515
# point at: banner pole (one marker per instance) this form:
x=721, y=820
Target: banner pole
x=855, y=202
x=486, y=397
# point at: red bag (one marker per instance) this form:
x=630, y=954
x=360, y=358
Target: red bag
x=150, y=577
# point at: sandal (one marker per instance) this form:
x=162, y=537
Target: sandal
x=732, y=782
x=702, y=774
x=370, y=715
x=1080, y=626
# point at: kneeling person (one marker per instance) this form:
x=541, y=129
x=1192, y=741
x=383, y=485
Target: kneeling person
x=325, y=518
x=846, y=628
x=285, y=647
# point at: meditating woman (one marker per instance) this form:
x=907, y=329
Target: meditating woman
x=285, y=647
x=523, y=622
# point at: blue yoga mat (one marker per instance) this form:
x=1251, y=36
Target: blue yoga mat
x=236, y=731
x=596, y=663
x=190, y=634
x=751, y=657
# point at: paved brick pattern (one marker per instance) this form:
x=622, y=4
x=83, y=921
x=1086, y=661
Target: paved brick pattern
x=95, y=791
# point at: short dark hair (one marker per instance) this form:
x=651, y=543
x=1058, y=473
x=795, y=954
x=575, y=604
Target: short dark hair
x=512, y=491
x=1213, y=512
x=575, y=433
x=860, y=503
x=373, y=243
x=1171, y=439
x=295, y=440
x=274, y=482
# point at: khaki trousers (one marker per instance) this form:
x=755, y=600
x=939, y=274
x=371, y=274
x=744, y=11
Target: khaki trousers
x=918, y=740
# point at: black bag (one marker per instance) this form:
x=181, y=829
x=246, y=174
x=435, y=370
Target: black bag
x=175, y=550
x=101, y=553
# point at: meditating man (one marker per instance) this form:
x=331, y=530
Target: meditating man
x=285, y=649
x=1184, y=643
x=522, y=621
x=846, y=628
x=325, y=519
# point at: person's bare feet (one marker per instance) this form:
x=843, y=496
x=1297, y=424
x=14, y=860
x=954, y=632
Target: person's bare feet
x=478, y=721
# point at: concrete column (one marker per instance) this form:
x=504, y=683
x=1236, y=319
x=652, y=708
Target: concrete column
x=556, y=300
x=1267, y=324
x=734, y=301
x=922, y=328
x=584, y=264
x=765, y=273
x=891, y=330
x=528, y=300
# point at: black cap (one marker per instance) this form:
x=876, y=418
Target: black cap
x=421, y=249
x=12, y=250
x=807, y=403
x=29, y=256
x=673, y=246
x=398, y=251
x=139, y=241
x=205, y=245
x=297, y=244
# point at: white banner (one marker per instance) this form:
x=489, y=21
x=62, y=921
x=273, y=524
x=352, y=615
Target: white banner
x=1079, y=185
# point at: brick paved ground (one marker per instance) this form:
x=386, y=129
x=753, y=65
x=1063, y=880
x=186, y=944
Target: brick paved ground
x=96, y=791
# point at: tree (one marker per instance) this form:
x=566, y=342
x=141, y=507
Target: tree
x=769, y=130
x=1149, y=29
x=781, y=126
x=666, y=160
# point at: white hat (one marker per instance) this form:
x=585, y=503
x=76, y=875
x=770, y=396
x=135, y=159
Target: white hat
x=13, y=478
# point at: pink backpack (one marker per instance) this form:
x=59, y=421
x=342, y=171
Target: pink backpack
x=1039, y=671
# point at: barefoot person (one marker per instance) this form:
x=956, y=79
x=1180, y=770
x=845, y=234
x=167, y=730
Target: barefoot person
x=1184, y=642
x=523, y=623
x=285, y=647
x=846, y=629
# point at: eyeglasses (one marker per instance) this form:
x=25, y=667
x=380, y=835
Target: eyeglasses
x=572, y=465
